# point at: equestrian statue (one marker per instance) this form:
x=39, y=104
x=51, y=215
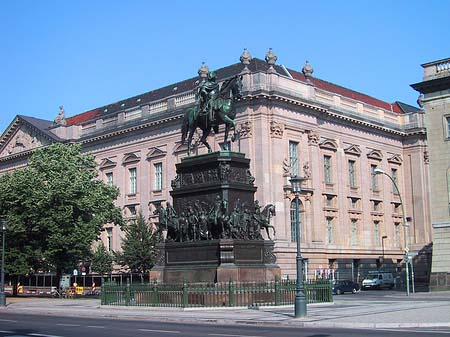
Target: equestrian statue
x=215, y=106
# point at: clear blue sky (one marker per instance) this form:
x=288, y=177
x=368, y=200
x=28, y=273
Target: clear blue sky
x=85, y=54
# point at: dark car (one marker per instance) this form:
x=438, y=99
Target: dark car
x=345, y=286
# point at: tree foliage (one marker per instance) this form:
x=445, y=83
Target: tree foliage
x=55, y=208
x=102, y=260
x=138, y=246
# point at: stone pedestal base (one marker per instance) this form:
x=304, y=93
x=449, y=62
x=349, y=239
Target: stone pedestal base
x=216, y=261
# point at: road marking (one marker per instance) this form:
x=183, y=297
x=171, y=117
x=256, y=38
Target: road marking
x=95, y=326
x=417, y=331
x=164, y=331
x=5, y=331
x=222, y=334
x=66, y=324
x=8, y=320
x=42, y=335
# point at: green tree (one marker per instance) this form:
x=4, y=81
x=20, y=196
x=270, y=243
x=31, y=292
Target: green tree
x=138, y=246
x=55, y=209
x=102, y=260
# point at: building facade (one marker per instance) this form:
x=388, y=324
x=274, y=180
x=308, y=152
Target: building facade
x=289, y=123
x=435, y=101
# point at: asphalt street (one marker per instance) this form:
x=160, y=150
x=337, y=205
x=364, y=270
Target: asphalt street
x=19, y=325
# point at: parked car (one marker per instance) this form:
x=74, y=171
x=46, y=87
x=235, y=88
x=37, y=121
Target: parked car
x=378, y=280
x=345, y=286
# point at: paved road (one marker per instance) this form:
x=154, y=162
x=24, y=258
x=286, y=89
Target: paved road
x=14, y=325
x=365, y=310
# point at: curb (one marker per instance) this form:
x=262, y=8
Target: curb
x=288, y=323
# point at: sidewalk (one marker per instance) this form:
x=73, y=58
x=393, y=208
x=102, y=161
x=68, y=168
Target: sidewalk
x=394, y=310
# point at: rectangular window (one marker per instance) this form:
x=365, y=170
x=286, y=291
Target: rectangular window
x=329, y=238
x=394, y=176
x=294, y=221
x=376, y=232
x=133, y=176
x=354, y=231
x=352, y=173
x=354, y=203
x=397, y=234
x=376, y=206
x=447, y=119
x=132, y=210
x=158, y=176
x=327, y=169
x=329, y=201
x=293, y=157
x=374, y=178
x=109, y=239
x=110, y=178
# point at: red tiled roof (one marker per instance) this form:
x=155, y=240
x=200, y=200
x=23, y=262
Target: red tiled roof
x=331, y=87
x=190, y=84
x=83, y=117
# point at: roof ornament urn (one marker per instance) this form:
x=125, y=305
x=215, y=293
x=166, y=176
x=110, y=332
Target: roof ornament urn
x=420, y=101
x=271, y=58
x=203, y=71
x=307, y=70
x=245, y=60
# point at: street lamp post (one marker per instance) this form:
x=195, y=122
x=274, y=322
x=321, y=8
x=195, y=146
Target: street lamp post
x=405, y=227
x=2, y=293
x=300, y=298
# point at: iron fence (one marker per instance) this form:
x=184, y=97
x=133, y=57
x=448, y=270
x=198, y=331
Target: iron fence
x=227, y=294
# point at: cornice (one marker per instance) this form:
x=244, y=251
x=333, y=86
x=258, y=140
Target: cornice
x=129, y=129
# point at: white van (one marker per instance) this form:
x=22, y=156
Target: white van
x=378, y=280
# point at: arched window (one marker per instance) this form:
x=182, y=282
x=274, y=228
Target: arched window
x=293, y=213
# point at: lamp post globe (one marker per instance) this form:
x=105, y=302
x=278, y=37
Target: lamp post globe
x=300, y=309
x=2, y=290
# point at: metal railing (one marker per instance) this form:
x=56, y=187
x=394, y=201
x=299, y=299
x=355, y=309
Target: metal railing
x=227, y=294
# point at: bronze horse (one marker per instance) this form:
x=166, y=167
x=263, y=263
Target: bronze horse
x=223, y=111
x=266, y=214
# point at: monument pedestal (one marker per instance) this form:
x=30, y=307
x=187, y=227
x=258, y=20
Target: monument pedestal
x=214, y=227
x=203, y=178
x=216, y=261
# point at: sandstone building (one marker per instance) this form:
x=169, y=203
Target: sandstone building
x=435, y=100
x=289, y=123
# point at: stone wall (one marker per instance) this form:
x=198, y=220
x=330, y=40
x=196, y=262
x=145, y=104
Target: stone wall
x=440, y=270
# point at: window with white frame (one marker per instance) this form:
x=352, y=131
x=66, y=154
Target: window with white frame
x=327, y=169
x=133, y=180
x=110, y=178
x=293, y=157
x=158, y=176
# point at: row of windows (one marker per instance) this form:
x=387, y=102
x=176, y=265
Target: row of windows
x=329, y=239
x=132, y=176
x=328, y=170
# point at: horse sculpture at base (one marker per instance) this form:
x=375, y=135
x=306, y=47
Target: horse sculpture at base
x=266, y=214
x=222, y=109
